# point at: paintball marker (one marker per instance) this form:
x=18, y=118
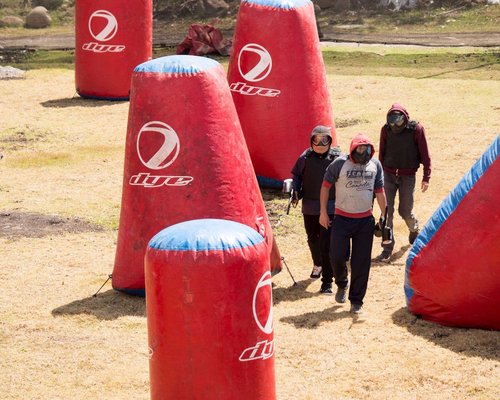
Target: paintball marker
x=384, y=231
x=288, y=189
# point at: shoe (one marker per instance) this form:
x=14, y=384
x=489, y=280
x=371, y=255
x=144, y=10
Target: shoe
x=340, y=296
x=326, y=288
x=316, y=272
x=356, y=309
x=413, y=236
x=385, y=257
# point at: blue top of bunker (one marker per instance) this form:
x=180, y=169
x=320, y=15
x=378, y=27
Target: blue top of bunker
x=180, y=64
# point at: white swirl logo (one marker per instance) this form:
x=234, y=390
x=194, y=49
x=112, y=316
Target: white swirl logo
x=259, y=71
x=96, y=23
x=263, y=293
x=169, y=149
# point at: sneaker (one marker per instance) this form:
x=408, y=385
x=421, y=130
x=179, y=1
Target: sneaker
x=316, y=272
x=356, y=309
x=385, y=257
x=413, y=236
x=341, y=295
x=326, y=288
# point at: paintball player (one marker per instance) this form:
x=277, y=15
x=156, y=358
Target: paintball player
x=403, y=147
x=356, y=178
x=307, y=176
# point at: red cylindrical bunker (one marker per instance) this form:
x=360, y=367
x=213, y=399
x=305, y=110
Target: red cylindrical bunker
x=111, y=38
x=209, y=312
x=185, y=158
x=278, y=82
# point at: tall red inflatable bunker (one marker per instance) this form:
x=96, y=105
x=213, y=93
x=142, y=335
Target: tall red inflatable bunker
x=453, y=269
x=209, y=311
x=278, y=82
x=185, y=158
x=112, y=37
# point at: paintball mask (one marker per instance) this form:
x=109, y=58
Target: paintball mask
x=321, y=140
x=396, y=120
x=362, y=158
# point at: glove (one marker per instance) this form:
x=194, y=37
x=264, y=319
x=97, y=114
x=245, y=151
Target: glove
x=379, y=227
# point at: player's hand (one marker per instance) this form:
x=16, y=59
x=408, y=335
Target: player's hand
x=425, y=186
x=324, y=221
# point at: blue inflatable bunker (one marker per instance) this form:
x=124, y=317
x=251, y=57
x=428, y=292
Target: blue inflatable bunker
x=453, y=269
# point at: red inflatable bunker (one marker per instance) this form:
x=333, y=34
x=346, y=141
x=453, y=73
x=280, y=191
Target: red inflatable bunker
x=209, y=311
x=185, y=158
x=278, y=82
x=453, y=269
x=112, y=37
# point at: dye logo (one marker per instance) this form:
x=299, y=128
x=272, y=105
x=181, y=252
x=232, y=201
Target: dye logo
x=168, y=150
x=254, y=64
x=262, y=304
x=254, y=72
x=103, y=27
x=262, y=309
x=157, y=147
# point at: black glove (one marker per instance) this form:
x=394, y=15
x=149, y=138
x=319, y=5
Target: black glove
x=379, y=227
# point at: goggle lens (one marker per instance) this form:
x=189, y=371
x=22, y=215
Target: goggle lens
x=325, y=141
x=396, y=120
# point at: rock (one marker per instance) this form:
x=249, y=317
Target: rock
x=11, y=21
x=216, y=7
x=11, y=73
x=398, y=4
x=38, y=18
x=337, y=5
x=210, y=8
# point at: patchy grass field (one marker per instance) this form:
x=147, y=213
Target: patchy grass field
x=60, y=191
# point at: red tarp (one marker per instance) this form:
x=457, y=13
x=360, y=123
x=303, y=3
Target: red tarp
x=204, y=39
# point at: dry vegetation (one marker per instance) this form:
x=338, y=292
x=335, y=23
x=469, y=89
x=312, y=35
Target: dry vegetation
x=63, y=160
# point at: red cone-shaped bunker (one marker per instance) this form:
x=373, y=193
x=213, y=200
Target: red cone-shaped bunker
x=185, y=158
x=278, y=82
x=453, y=269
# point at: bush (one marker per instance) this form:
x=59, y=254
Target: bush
x=48, y=4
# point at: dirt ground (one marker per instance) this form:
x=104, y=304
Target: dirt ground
x=164, y=38
x=60, y=191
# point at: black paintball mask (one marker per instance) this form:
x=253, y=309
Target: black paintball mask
x=320, y=140
x=396, y=121
x=362, y=158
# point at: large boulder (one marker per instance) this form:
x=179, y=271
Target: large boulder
x=11, y=21
x=38, y=18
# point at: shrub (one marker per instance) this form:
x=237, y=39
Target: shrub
x=48, y=4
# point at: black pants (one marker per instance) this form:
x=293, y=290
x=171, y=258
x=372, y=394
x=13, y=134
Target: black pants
x=318, y=240
x=360, y=232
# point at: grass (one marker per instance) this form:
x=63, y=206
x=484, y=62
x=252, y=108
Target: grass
x=409, y=62
x=485, y=63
